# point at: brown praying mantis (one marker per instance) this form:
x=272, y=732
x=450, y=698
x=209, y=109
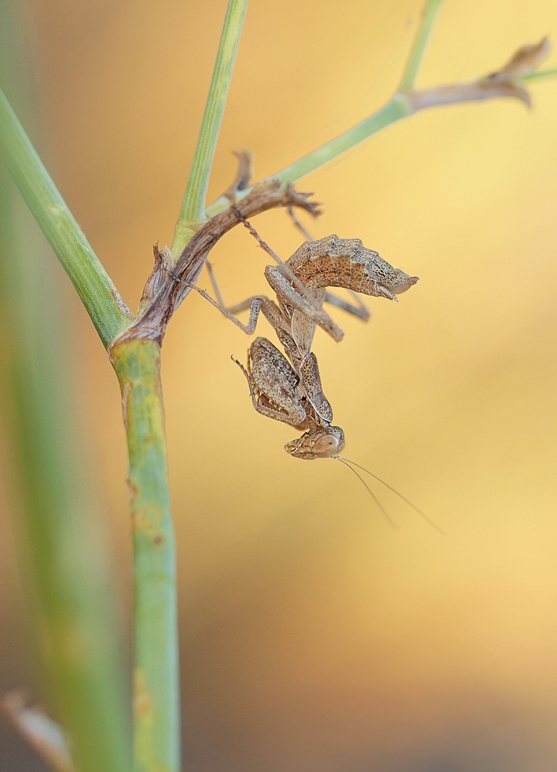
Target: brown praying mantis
x=291, y=391
x=277, y=392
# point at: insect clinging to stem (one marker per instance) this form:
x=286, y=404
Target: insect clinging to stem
x=291, y=391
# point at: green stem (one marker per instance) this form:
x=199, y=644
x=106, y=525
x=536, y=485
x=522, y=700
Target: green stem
x=104, y=305
x=420, y=44
x=193, y=206
x=538, y=75
x=76, y=623
x=67, y=565
x=156, y=668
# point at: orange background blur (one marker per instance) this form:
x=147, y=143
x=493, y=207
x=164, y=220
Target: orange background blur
x=313, y=636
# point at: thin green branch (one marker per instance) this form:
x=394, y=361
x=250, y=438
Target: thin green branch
x=397, y=108
x=420, y=45
x=156, y=706
x=504, y=83
x=100, y=297
x=193, y=206
x=540, y=75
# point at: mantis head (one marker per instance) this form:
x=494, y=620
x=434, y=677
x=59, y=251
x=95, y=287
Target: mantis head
x=317, y=443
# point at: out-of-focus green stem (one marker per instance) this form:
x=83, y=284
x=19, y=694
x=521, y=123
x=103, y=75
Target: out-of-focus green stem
x=193, y=206
x=66, y=561
x=420, y=44
x=100, y=297
x=156, y=667
x=63, y=544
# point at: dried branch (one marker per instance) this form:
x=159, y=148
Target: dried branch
x=506, y=82
x=168, y=289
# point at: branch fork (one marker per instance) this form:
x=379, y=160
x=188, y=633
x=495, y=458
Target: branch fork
x=170, y=281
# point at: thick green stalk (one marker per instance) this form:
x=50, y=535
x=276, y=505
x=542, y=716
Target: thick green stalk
x=193, y=206
x=156, y=667
x=100, y=297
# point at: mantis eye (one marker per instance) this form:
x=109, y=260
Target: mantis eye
x=326, y=445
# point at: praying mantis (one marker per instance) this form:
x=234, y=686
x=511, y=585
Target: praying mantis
x=291, y=391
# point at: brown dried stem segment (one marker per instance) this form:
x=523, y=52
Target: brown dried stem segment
x=168, y=286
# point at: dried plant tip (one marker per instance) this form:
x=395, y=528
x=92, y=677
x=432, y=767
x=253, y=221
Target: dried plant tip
x=164, y=260
x=44, y=734
x=524, y=62
x=243, y=175
x=506, y=82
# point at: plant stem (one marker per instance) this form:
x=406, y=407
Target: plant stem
x=66, y=561
x=193, y=206
x=539, y=75
x=100, y=297
x=420, y=44
x=156, y=667
x=65, y=566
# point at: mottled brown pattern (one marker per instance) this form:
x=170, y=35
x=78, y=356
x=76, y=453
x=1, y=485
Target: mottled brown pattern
x=311, y=383
x=334, y=262
x=279, y=393
x=273, y=378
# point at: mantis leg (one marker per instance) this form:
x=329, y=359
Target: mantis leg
x=255, y=304
x=361, y=310
x=270, y=310
x=287, y=294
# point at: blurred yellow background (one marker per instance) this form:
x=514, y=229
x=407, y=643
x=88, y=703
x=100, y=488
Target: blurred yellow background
x=313, y=636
